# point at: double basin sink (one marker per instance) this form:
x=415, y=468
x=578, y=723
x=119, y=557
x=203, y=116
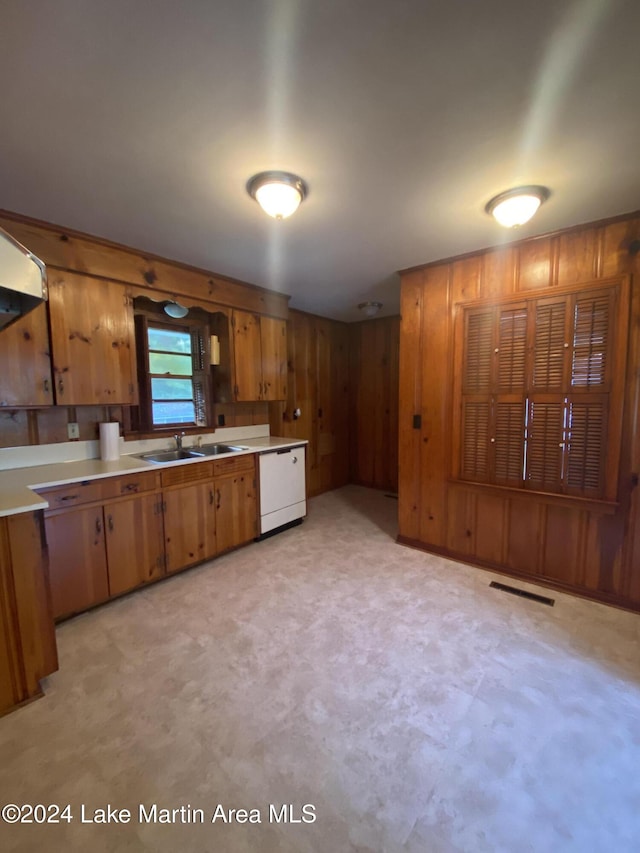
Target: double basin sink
x=191, y=453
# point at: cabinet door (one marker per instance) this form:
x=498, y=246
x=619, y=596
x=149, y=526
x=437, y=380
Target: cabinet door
x=92, y=341
x=77, y=560
x=24, y=354
x=189, y=525
x=236, y=512
x=273, y=338
x=135, y=542
x=247, y=356
x=12, y=689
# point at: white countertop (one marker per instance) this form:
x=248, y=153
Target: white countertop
x=17, y=484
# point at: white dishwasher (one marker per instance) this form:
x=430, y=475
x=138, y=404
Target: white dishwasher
x=283, y=499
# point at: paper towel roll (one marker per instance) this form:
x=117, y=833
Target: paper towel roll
x=109, y=441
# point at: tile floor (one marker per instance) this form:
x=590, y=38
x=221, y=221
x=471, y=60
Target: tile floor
x=418, y=710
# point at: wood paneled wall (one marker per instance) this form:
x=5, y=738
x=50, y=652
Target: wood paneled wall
x=554, y=541
x=373, y=356
x=318, y=385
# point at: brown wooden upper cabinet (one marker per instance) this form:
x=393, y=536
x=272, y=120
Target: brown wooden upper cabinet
x=92, y=341
x=25, y=379
x=260, y=357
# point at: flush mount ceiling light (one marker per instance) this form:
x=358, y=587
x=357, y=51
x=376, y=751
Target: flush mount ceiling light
x=370, y=309
x=175, y=310
x=278, y=193
x=517, y=206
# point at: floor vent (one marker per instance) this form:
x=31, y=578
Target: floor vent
x=541, y=599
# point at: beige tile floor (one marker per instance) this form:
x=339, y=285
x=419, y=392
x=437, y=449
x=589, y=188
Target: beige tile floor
x=414, y=707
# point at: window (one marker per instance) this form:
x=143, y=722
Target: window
x=539, y=382
x=172, y=359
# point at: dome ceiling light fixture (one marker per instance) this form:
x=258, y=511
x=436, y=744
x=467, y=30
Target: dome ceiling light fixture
x=370, y=309
x=516, y=206
x=175, y=310
x=278, y=193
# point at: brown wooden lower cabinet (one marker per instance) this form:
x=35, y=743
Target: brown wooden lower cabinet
x=105, y=538
x=236, y=510
x=206, y=518
x=77, y=559
x=189, y=525
x=135, y=542
x=27, y=637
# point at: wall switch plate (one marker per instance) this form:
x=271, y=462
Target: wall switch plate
x=73, y=431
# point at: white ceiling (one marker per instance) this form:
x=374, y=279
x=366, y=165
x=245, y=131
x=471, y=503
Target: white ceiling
x=142, y=120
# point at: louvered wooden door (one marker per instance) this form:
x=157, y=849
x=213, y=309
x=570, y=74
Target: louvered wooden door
x=536, y=380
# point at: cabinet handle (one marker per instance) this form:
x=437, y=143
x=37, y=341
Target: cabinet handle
x=46, y=386
x=61, y=386
x=98, y=526
x=294, y=459
x=68, y=498
x=130, y=487
x=110, y=523
x=218, y=495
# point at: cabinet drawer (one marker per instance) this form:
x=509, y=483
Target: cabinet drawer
x=132, y=484
x=234, y=465
x=88, y=491
x=75, y=494
x=187, y=474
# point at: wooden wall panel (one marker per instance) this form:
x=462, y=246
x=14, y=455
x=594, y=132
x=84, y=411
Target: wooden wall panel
x=563, y=543
x=499, y=270
x=318, y=384
x=466, y=276
x=490, y=528
x=581, y=548
x=525, y=528
x=374, y=347
x=535, y=264
x=409, y=406
x=577, y=256
x=460, y=519
x=435, y=367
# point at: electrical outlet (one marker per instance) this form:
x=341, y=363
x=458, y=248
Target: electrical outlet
x=73, y=431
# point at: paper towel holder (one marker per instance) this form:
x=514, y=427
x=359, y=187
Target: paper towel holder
x=214, y=353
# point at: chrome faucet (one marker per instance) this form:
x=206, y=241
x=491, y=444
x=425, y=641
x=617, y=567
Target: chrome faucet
x=178, y=439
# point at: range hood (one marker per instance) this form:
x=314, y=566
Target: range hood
x=23, y=280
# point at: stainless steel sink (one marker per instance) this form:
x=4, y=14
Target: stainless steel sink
x=170, y=455
x=215, y=449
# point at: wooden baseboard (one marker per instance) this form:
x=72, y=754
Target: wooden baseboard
x=548, y=583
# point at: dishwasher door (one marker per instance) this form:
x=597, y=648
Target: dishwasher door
x=282, y=487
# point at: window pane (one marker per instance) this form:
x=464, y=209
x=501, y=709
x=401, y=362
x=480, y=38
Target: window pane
x=173, y=413
x=161, y=362
x=171, y=389
x=169, y=340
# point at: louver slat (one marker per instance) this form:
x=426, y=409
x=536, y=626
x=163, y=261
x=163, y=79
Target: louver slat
x=544, y=446
x=586, y=446
x=478, y=351
x=548, y=360
x=509, y=443
x=590, y=341
x=198, y=354
x=475, y=441
x=512, y=349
